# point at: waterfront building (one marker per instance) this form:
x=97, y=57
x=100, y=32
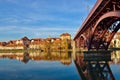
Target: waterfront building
x=49, y=44
x=36, y=43
x=52, y=44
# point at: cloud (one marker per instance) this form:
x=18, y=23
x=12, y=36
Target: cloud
x=57, y=6
x=35, y=31
x=35, y=28
x=14, y=32
x=40, y=20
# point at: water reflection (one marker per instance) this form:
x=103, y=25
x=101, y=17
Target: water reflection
x=63, y=57
x=38, y=66
x=94, y=67
x=26, y=57
x=97, y=67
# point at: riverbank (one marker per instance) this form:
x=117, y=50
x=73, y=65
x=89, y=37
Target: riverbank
x=34, y=50
x=18, y=50
x=30, y=50
x=114, y=49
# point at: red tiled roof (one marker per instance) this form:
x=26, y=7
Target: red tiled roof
x=57, y=41
x=36, y=39
x=65, y=34
x=118, y=33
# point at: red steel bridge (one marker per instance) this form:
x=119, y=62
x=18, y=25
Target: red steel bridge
x=100, y=26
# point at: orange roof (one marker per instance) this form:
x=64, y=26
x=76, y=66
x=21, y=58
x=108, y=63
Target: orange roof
x=51, y=38
x=65, y=34
x=3, y=43
x=36, y=39
x=118, y=33
x=0, y=43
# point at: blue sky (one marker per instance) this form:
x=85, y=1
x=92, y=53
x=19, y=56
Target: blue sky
x=41, y=18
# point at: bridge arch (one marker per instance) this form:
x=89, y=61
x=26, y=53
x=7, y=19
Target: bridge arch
x=112, y=14
x=82, y=41
x=104, y=30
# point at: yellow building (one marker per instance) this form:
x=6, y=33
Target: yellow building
x=36, y=43
x=48, y=44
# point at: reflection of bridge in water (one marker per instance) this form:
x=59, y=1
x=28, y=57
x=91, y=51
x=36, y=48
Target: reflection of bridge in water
x=91, y=68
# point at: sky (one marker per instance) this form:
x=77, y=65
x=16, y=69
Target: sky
x=41, y=18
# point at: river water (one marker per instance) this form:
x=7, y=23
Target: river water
x=47, y=66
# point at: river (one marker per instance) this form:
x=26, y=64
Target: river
x=48, y=66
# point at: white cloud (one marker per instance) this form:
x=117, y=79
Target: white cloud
x=14, y=32
x=16, y=29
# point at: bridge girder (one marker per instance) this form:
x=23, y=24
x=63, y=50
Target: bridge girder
x=103, y=31
x=98, y=28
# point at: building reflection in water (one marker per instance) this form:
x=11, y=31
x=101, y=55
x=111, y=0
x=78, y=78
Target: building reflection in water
x=90, y=69
x=115, y=56
x=26, y=57
x=63, y=57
